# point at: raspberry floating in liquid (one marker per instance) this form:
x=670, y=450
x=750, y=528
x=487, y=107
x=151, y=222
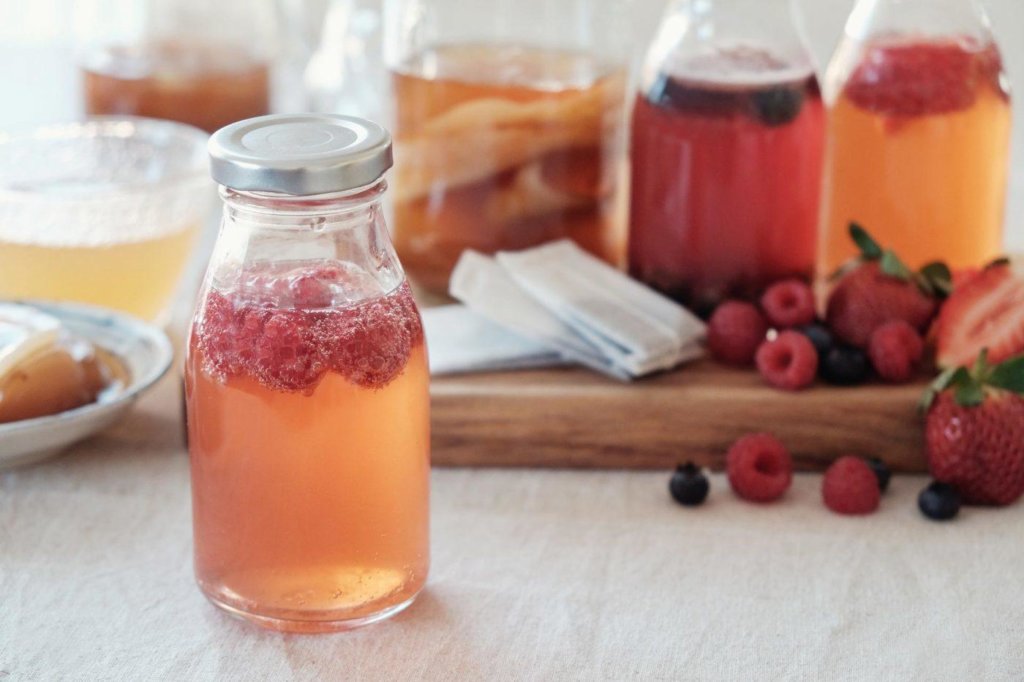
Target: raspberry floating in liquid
x=261, y=330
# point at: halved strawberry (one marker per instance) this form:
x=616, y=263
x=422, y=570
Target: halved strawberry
x=987, y=311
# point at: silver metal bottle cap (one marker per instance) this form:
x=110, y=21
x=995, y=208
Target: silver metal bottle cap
x=299, y=154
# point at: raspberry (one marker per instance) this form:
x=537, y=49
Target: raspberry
x=850, y=487
x=735, y=330
x=895, y=349
x=789, y=303
x=759, y=467
x=789, y=362
x=309, y=291
x=291, y=348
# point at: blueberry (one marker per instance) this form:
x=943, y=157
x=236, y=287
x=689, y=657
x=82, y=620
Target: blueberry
x=939, y=501
x=845, y=366
x=777, y=106
x=882, y=472
x=820, y=336
x=689, y=486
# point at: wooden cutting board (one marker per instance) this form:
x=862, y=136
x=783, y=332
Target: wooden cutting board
x=574, y=418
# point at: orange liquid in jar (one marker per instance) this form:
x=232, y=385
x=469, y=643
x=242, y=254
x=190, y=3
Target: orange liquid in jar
x=918, y=153
x=503, y=148
x=309, y=440
x=201, y=85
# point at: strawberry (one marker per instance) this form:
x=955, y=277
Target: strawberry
x=986, y=311
x=878, y=288
x=915, y=78
x=974, y=431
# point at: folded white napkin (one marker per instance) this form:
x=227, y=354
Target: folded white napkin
x=564, y=299
x=459, y=341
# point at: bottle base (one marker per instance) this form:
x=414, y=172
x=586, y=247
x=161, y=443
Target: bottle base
x=312, y=623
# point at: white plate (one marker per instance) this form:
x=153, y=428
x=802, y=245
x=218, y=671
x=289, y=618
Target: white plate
x=143, y=348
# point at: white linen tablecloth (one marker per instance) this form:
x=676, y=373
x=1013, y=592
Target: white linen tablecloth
x=537, y=575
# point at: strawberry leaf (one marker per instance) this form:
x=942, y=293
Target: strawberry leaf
x=869, y=248
x=981, y=369
x=893, y=266
x=938, y=278
x=970, y=394
x=1009, y=375
x=940, y=384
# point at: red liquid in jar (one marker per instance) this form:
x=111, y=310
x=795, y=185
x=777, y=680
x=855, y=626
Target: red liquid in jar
x=725, y=186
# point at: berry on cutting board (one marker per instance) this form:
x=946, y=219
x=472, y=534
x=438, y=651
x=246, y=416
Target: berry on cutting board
x=759, y=467
x=879, y=288
x=896, y=350
x=939, y=501
x=845, y=366
x=820, y=336
x=789, y=303
x=986, y=311
x=735, y=331
x=850, y=487
x=688, y=485
x=974, y=430
x=882, y=472
x=788, y=362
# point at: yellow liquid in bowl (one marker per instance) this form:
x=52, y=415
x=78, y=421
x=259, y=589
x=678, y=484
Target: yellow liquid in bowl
x=137, y=277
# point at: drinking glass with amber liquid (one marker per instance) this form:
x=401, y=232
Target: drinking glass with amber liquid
x=307, y=385
x=207, y=64
x=919, y=133
x=508, y=128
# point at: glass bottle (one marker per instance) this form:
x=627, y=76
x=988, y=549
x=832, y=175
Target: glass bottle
x=919, y=133
x=508, y=126
x=204, y=63
x=307, y=384
x=727, y=144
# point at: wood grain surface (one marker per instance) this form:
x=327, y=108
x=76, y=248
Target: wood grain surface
x=574, y=418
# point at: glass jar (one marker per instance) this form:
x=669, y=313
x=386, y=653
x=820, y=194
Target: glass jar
x=727, y=143
x=919, y=134
x=307, y=385
x=508, y=127
x=202, y=63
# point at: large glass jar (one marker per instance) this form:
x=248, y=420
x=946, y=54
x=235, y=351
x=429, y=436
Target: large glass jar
x=507, y=126
x=727, y=143
x=199, y=62
x=919, y=134
x=307, y=385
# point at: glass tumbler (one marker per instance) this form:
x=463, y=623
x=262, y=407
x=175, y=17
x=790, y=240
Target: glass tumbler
x=104, y=211
x=306, y=385
x=508, y=127
x=204, y=63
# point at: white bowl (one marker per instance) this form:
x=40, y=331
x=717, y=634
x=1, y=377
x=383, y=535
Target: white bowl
x=143, y=348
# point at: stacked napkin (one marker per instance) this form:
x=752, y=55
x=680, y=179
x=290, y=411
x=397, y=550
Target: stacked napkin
x=557, y=304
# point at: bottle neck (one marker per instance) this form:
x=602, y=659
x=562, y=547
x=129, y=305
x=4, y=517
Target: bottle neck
x=349, y=208
x=923, y=18
x=275, y=233
x=760, y=18
x=729, y=35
